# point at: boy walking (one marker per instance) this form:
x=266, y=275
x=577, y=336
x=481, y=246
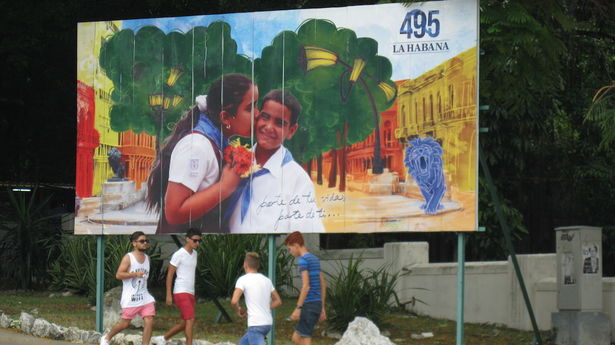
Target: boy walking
x=260, y=298
x=311, y=302
x=183, y=263
x=136, y=300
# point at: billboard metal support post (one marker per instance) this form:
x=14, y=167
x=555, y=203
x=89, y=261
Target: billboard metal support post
x=271, y=273
x=509, y=244
x=100, y=281
x=461, y=257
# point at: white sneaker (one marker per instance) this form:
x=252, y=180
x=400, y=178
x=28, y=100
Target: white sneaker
x=159, y=340
x=103, y=340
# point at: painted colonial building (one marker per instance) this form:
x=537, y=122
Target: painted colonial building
x=441, y=103
x=360, y=156
x=87, y=139
x=138, y=154
x=138, y=150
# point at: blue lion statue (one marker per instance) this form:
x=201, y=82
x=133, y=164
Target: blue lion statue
x=424, y=162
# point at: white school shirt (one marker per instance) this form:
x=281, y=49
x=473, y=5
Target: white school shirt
x=283, y=201
x=134, y=290
x=257, y=291
x=185, y=264
x=194, y=163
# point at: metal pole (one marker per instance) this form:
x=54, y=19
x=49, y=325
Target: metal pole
x=100, y=281
x=509, y=244
x=271, y=267
x=461, y=257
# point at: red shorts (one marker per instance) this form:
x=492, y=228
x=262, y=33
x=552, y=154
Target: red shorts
x=143, y=310
x=186, y=303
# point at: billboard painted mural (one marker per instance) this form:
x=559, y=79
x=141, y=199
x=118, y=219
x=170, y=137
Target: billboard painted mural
x=351, y=119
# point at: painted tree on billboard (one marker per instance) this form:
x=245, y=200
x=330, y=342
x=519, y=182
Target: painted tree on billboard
x=342, y=85
x=156, y=75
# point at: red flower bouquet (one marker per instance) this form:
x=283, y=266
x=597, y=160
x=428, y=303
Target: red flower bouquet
x=239, y=157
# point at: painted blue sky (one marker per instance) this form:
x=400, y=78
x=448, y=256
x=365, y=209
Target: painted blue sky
x=254, y=31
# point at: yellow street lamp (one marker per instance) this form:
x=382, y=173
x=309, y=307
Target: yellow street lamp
x=389, y=91
x=155, y=99
x=174, y=75
x=357, y=68
x=314, y=57
x=177, y=99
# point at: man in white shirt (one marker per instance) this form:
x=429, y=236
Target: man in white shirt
x=260, y=298
x=280, y=196
x=183, y=263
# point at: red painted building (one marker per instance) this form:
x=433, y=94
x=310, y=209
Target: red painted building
x=87, y=140
x=360, y=156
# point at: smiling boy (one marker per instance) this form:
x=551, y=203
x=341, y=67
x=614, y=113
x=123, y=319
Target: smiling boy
x=280, y=196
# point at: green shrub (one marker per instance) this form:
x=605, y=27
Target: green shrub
x=220, y=263
x=355, y=291
x=28, y=230
x=283, y=270
x=75, y=269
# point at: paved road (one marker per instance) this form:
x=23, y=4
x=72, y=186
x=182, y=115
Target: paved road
x=12, y=337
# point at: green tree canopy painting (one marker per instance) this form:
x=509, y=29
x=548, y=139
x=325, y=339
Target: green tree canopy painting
x=340, y=81
x=156, y=76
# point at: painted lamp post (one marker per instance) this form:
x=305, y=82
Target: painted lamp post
x=315, y=57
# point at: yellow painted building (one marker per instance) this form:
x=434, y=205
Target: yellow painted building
x=90, y=37
x=441, y=103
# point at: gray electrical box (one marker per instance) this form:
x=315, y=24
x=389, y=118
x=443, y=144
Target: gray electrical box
x=579, y=268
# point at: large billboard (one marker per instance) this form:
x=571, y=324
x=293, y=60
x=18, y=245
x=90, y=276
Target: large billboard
x=349, y=119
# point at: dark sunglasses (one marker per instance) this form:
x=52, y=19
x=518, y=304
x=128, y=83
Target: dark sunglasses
x=196, y=241
x=143, y=241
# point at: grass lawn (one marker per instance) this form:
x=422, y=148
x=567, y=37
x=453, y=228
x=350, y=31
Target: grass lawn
x=75, y=311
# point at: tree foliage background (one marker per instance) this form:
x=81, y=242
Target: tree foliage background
x=140, y=64
x=543, y=63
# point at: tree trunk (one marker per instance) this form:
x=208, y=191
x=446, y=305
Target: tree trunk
x=377, y=167
x=342, y=158
x=333, y=170
x=308, y=168
x=319, y=169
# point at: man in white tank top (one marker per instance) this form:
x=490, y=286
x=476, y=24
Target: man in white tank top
x=133, y=272
x=260, y=298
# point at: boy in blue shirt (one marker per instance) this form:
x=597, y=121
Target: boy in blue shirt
x=311, y=302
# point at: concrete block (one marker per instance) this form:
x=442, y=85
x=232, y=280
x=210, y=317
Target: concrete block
x=581, y=328
x=398, y=255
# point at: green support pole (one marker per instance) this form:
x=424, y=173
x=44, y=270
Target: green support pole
x=271, y=268
x=100, y=281
x=508, y=240
x=461, y=260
